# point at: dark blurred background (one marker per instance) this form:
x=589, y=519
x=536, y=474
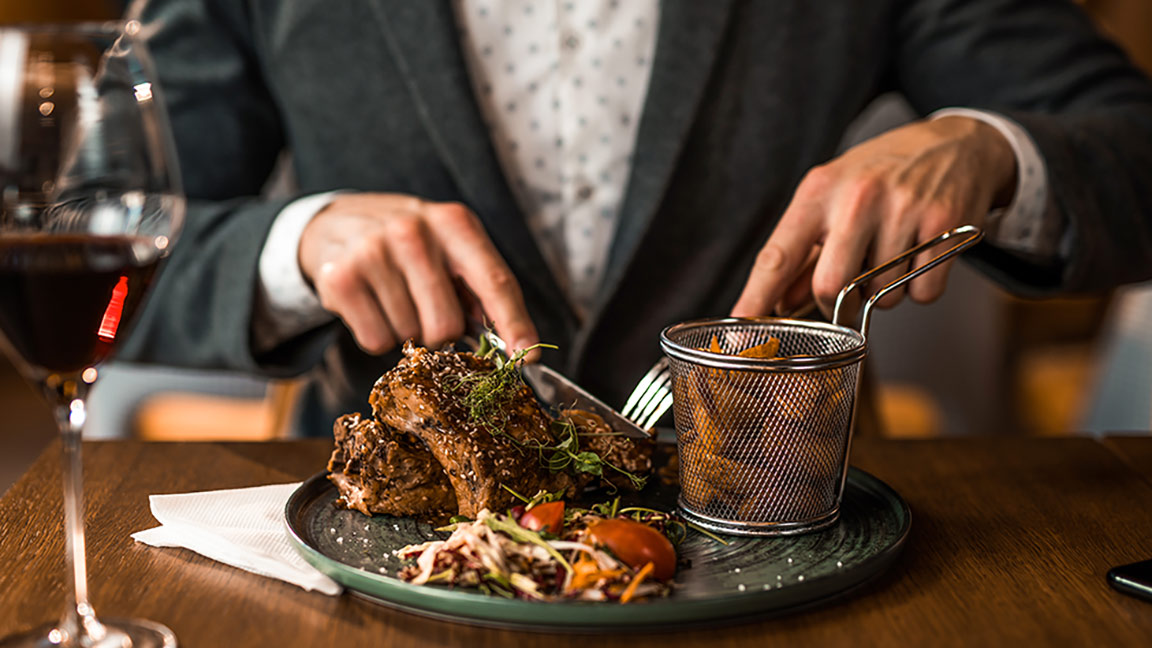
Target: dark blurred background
x=977, y=362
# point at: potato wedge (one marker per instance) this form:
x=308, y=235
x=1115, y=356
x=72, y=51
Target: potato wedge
x=765, y=351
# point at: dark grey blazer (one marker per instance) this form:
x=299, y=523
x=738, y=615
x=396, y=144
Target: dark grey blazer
x=745, y=96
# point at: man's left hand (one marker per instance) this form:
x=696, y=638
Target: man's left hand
x=875, y=201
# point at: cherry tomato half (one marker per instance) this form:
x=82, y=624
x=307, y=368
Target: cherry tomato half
x=548, y=516
x=636, y=544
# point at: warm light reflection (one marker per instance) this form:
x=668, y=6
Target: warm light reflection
x=111, y=320
x=161, y=242
x=77, y=414
x=89, y=375
x=143, y=92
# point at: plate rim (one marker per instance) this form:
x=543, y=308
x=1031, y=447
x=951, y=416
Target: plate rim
x=467, y=607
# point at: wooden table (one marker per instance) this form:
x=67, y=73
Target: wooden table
x=1010, y=541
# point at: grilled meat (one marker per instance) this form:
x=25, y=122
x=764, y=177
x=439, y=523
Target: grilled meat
x=378, y=469
x=425, y=453
x=424, y=396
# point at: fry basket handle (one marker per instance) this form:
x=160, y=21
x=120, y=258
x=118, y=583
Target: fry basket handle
x=972, y=236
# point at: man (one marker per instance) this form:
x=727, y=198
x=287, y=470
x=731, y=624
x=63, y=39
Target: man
x=447, y=161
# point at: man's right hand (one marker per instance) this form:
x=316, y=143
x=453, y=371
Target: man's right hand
x=387, y=265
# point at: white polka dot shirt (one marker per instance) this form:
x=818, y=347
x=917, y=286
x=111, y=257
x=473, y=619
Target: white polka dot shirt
x=561, y=84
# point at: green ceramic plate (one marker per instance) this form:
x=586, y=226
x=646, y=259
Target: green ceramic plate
x=749, y=577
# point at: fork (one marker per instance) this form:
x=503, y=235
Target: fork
x=651, y=397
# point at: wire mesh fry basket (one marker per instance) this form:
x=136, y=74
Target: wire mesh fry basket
x=763, y=442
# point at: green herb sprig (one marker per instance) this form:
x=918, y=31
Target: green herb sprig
x=565, y=455
x=490, y=393
x=488, y=398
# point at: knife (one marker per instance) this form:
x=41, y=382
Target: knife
x=555, y=389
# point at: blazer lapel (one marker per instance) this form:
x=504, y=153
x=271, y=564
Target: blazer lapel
x=689, y=38
x=423, y=40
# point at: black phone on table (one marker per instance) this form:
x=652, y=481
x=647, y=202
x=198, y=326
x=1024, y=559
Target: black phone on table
x=1134, y=579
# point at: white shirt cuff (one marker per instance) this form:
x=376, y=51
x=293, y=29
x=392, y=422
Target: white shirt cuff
x=286, y=305
x=1030, y=224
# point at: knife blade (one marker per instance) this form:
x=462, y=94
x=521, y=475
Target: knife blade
x=560, y=392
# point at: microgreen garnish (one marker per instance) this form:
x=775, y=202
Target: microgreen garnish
x=565, y=456
x=515, y=494
x=606, y=509
x=543, y=497
x=490, y=393
x=488, y=401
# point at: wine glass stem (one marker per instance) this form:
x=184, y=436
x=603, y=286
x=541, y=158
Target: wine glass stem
x=79, y=618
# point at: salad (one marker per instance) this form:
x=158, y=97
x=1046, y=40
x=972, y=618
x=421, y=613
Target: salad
x=547, y=551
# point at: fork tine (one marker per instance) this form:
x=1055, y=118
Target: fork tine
x=655, y=390
x=651, y=420
x=656, y=394
x=642, y=387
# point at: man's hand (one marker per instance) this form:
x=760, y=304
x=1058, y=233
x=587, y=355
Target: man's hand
x=874, y=202
x=388, y=266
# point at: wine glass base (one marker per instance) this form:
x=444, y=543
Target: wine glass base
x=122, y=633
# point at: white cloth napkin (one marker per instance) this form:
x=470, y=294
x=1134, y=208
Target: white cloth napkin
x=241, y=527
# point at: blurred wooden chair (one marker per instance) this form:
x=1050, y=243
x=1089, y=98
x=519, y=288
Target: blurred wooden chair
x=908, y=412
x=191, y=416
x=1051, y=360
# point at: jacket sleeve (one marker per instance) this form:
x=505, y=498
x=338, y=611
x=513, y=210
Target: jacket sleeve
x=228, y=137
x=1089, y=110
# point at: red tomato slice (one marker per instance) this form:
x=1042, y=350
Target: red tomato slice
x=548, y=516
x=636, y=544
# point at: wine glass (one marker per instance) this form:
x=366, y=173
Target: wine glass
x=90, y=203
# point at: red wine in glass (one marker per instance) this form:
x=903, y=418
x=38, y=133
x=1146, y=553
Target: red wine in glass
x=64, y=300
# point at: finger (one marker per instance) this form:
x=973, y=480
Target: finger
x=479, y=265
x=390, y=287
x=930, y=286
x=782, y=258
x=896, y=237
x=473, y=311
x=845, y=250
x=798, y=296
x=421, y=261
x=344, y=292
